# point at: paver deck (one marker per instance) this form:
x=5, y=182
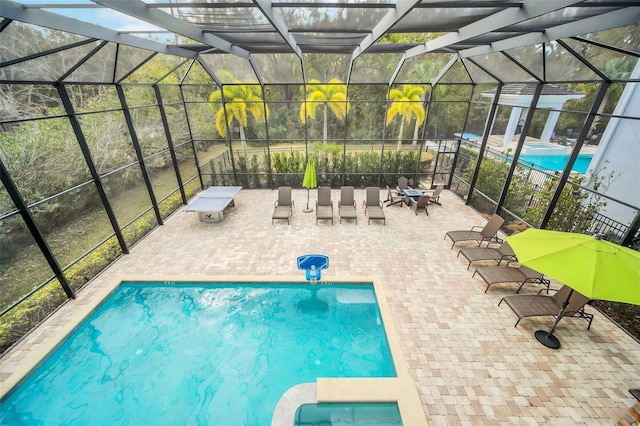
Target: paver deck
x=470, y=365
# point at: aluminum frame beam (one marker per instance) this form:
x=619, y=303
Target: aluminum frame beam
x=274, y=17
x=33, y=228
x=606, y=21
x=17, y=12
x=510, y=16
x=388, y=20
x=140, y=10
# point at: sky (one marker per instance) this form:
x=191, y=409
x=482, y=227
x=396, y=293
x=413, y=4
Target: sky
x=104, y=17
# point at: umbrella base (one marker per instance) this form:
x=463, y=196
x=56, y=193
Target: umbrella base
x=307, y=210
x=549, y=341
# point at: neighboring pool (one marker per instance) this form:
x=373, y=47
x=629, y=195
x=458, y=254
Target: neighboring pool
x=469, y=136
x=558, y=162
x=202, y=353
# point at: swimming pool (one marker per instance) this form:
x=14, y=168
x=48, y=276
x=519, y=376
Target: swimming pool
x=468, y=136
x=200, y=353
x=558, y=162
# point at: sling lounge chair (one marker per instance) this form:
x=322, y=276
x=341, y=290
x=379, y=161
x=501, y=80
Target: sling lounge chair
x=283, y=207
x=422, y=203
x=543, y=305
x=393, y=199
x=324, y=205
x=502, y=253
x=507, y=274
x=347, y=204
x=487, y=233
x=372, y=205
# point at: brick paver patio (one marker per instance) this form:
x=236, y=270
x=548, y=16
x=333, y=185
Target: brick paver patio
x=470, y=365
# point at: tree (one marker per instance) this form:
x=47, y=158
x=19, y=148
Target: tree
x=332, y=96
x=407, y=103
x=577, y=206
x=238, y=100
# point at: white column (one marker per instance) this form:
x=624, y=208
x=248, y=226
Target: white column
x=552, y=120
x=511, y=126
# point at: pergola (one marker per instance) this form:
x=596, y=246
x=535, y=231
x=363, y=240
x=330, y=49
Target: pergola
x=520, y=95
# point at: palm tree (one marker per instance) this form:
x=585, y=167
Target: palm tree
x=332, y=96
x=407, y=103
x=238, y=100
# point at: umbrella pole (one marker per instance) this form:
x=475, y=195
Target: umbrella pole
x=546, y=337
x=307, y=210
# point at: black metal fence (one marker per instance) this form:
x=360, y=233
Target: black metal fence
x=536, y=183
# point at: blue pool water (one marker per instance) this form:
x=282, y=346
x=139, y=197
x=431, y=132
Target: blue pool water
x=198, y=354
x=469, y=136
x=557, y=162
x=362, y=413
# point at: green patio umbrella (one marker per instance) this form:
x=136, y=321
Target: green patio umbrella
x=309, y=181
x=594, y=267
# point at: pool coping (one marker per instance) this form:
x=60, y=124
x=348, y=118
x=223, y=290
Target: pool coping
x=400, y=389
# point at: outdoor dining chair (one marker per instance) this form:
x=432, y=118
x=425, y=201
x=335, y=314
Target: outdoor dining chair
x=403, y=183
x=394, y=199
x=435, y=194
x=422, y=203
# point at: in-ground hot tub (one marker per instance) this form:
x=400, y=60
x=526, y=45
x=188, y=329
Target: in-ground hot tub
x=544, y=148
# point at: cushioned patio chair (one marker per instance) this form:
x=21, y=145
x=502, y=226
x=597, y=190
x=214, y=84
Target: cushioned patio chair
x=543, y=305
x=435, y=194
x=507, y=274
x=504, y=252
x=422, y=203
x=372, y=205
x=393, y=199
x=347, y=204
x=283, y=207
x=488, y=232
x=324, y=204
